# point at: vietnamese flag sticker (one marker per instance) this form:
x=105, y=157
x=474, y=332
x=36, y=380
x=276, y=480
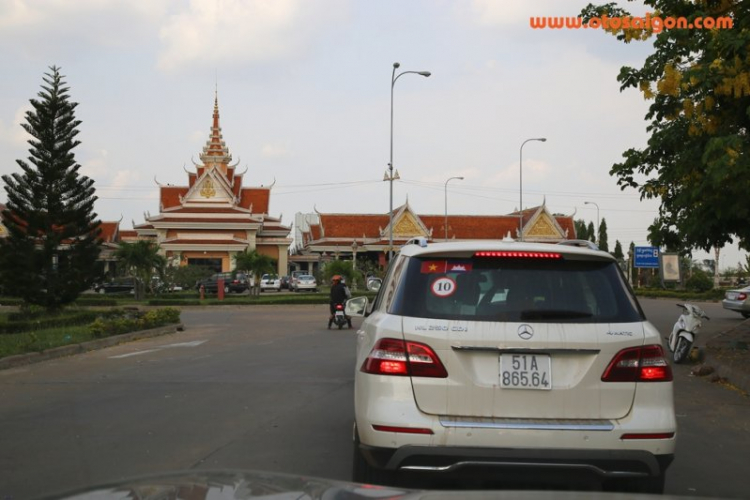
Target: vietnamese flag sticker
x=434, y=266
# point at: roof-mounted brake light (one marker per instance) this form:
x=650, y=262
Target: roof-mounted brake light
x=514, y=254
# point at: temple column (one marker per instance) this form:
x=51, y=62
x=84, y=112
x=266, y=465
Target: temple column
x=283, y=262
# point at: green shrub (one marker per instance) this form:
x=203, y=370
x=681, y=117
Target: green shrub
x=699, y=281
x=129, y=320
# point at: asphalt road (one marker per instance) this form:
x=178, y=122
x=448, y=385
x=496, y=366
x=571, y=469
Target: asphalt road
x=268, y=388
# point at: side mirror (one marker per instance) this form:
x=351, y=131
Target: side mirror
x=374, y=284
x=356, y=307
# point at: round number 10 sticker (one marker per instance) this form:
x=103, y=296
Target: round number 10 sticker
x=443, y=287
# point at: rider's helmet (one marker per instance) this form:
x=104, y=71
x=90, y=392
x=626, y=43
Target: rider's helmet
x=336, y=278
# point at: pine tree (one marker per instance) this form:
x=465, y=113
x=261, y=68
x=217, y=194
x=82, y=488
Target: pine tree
x=591, y=232
x=581, y=232
x=602, y=238
x=617, y=254
x=53, y=236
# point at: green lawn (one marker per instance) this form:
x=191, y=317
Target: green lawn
x=40, y=340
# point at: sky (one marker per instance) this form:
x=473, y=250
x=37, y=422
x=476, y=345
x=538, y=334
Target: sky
x=304, y=97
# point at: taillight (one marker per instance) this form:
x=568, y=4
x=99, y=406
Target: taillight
x=639, y=364
x=741, y=296
x=339, y=307
x=519, y=255
x=397, y=357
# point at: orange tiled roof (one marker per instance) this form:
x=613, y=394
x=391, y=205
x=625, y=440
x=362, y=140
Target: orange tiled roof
x=469, y=227
x=109, y=232
x=170, y=195
x=567, y=224
x=258, y=198
x=350, y=225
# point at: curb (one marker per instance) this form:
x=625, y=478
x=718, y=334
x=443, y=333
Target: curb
x=91, y=345
x=729, y=369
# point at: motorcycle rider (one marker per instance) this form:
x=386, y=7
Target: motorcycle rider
x=339, y=294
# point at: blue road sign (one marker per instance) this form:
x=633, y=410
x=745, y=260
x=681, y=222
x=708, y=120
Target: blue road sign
x=647, y=257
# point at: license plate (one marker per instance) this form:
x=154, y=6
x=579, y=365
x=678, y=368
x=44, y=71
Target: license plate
x=526, y=371
x=339, y=313
x=732, y=296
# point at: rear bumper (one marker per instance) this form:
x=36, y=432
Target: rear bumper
x=735, y=305
x=605, y=464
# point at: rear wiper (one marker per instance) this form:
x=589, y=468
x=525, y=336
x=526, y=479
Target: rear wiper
x=554, y=314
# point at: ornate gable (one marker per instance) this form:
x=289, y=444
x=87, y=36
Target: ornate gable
x=407, y=224
x=542, y=226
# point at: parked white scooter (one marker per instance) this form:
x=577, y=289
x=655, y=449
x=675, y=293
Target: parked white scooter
x=683, y=333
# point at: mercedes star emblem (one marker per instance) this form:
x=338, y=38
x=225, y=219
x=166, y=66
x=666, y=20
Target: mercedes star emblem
x=525, y=331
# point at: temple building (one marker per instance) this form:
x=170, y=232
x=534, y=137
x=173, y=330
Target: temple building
x=212, y=218
x=322, y=237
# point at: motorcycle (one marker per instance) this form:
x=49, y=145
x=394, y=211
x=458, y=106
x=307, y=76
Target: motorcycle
x=685, y=328
x=339, y=318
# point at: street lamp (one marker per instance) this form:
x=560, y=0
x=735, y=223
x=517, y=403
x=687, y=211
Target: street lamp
x=596, y=231
x=389, y=176
x=446, y=204
x=520, y=188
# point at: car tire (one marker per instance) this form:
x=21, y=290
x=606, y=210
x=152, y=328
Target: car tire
x=681, y=350
x=745, y=315
x=653, y=485
x=102, y=291
x=363, y=472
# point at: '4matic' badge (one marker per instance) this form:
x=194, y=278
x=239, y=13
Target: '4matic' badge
x=620, y=334
x=525, y=331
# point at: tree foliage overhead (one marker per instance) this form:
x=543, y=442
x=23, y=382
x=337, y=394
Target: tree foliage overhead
x=53, y=235
x=698, y=155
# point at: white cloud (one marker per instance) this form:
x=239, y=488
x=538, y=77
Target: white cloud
x=211, y=33
x=276, y=150
x=125, y=178
x=31, y=23
x=13, y=134
x=503, y=13
x=97, y=166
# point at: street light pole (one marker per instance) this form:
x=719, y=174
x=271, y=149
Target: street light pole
x=520, y=185
x=389, y=176
x=446, y=204
x=596, y=231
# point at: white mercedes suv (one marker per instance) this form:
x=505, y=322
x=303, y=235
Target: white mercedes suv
x=510, y=360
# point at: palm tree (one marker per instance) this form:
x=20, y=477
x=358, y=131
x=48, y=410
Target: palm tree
x=142, y=260
x=256, y=264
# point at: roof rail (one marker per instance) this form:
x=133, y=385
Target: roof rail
x=421, y=241
x=579, y=243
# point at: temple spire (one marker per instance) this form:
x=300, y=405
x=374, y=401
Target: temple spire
x=215, y=152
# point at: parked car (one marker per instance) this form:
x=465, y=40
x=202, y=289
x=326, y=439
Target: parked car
x=285, y=283
x=305, y=282
x=293, y=278
x=234, y=281
x=117, y=285
x=738, y=300
x=523, y=359
x=270, y=282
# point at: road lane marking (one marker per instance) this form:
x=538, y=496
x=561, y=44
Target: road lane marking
x=137, y=353
x=194, y=343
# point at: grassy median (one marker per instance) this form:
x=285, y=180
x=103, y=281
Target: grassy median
x=35, y=331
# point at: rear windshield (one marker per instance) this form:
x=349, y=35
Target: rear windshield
x=506, y=289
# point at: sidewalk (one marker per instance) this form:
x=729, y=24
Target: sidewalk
x=729, y=355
